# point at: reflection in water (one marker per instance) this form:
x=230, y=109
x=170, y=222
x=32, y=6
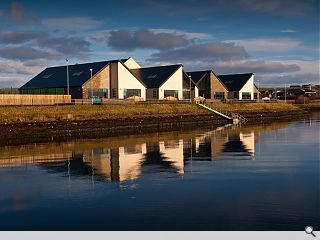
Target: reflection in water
x=129, y=161
x=164, y=181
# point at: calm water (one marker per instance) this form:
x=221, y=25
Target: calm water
x=252, y=178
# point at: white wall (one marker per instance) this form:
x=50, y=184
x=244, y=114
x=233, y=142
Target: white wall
x=248, y=87
x=127, y=81
x=131, y=63
x=196, y=94
x=173, y=83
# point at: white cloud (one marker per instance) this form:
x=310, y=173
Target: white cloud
x=268, y=44
x=288, y=30
x=72, y=23
x=188, y=35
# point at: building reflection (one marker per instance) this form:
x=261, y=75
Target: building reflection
x=130, y=161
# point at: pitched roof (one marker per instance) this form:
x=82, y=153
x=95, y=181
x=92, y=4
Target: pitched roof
x=197, y=76
x=56, y=77
x=154, y=77
x=234, y=82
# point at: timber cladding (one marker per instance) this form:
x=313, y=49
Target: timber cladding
x=26, y=99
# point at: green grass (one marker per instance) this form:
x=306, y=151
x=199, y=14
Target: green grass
x=10, y=114
x=14, y=114
x=254, y=107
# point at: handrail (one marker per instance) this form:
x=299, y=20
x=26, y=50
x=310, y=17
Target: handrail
x=230, y=115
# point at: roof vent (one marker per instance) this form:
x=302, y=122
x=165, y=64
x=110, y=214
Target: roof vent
x=153, y=76
x=77, y=74
x=47, y=76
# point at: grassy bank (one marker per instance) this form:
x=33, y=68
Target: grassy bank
x=11, y=114
x=256, y=107
x=14, y=114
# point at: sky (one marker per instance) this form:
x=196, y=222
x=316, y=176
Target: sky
x=277, y=40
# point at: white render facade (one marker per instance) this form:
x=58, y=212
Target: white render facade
x=246, y=89
x=174, y=83
x=123, y=82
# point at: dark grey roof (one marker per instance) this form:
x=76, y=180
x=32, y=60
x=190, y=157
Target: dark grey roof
x=56, y=77
x=234, y=82
x=197, y=76
x=154, y=77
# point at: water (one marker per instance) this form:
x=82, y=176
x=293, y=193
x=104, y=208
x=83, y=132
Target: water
x=251, y=178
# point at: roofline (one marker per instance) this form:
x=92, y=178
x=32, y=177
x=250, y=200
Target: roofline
x=97, y=73
x=206, y=72
x=252, y=74
x=170, y=65
x=184, y=72
x=211, y=71
x=180, y=66
x=219, y=80
x=235, y=74
x=133, y=74
x=247, y=81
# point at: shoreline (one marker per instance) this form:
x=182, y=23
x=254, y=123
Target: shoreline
x=63, y=130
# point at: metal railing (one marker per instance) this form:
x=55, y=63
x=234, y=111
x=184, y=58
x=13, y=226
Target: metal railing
x=231, y=115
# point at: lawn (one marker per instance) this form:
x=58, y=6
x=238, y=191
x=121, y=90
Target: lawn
x=10, y=114
x=255, y=107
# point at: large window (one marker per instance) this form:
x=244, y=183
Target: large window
x=131, y=92
x=98, y=92
x=246, y=95
x=171, y=93
x=218, y=95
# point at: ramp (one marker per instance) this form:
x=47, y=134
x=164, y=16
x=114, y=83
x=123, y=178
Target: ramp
x=235, y=117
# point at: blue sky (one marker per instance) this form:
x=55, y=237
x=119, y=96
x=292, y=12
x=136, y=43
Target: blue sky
x=278, y=40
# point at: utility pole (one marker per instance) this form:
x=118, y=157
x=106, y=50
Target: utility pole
x=68, y=91
x=190, y=88
x=285, y=93
x=91, y=84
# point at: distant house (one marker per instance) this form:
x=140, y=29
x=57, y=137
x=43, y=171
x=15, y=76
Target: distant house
x=256, y=92
x=209, y=85
x=240, y=86
x=166, y=81
x=110, y=79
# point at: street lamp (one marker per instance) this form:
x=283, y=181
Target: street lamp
x=258, y=90
x=190, y=87
x=67, y=60
x=285, y=93
x=91, y=84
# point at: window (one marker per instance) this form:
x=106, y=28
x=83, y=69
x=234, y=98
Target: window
x=131, y=92
x=114, y=92
x=246, y=95
x=171, y=93
x=154, y=93
x=235, y=95
x=218, y=95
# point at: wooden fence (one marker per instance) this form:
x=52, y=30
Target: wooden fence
x=30, y=99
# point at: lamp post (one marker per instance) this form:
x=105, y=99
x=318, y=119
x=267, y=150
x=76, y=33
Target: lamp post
x=258, y=90
x=91, y=84
x=285, y=93
x=190, y=87
x=68, y=92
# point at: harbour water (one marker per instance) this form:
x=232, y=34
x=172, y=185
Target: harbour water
x=250, y=178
